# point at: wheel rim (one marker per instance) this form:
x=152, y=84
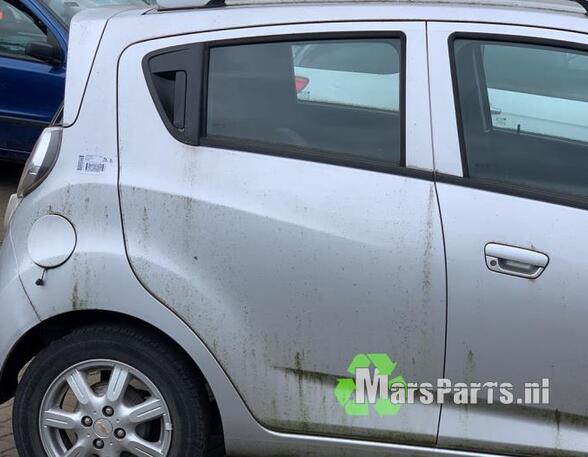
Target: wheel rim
x=104, y=408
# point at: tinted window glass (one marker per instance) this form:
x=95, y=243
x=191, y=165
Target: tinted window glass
x=316, y=95
x=17, y=29
x=525, y=113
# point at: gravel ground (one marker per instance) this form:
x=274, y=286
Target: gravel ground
x=7, y=448
x=9, y=175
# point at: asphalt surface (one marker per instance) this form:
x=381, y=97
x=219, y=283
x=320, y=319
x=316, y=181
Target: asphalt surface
x=9, y=176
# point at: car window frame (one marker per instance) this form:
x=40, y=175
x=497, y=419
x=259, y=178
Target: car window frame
x=518, y=190
x=199, y=139
x=54, y=15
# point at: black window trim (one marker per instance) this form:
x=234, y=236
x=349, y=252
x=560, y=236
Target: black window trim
x=314, y=155
x=515, y=190
x=286, y=151
x=193, y=68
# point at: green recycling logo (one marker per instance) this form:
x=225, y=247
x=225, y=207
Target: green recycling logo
x=383, y=367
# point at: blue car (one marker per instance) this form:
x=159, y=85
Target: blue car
x=33, y=52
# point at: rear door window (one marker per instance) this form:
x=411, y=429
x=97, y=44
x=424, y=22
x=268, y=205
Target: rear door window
x=524, y=113
x=340, y=98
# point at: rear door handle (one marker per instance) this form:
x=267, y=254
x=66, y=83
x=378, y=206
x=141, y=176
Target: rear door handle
x=515, y=261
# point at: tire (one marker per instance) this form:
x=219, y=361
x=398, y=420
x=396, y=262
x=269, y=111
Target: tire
x=156, y=369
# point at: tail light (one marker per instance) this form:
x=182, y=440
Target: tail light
x=41, y=160
x=300, y=83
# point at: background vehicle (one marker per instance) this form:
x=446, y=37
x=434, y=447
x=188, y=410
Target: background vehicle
x=323, y=75
x=333, y=74
x=197, y=251
x=33, y=47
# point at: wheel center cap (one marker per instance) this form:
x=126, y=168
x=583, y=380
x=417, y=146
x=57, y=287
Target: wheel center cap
x=103, y=428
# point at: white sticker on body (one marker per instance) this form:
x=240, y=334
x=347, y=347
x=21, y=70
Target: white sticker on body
x=93, y=164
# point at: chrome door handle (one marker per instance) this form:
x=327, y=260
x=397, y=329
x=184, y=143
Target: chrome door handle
x=515, y=261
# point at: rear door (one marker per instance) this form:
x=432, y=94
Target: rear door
x=30, y=90
x=512, y=157
x=292, y=227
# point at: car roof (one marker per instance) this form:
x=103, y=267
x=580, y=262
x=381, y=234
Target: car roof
x=128, y=26
x=562, y=6
x=556, y=14
x=150, y=23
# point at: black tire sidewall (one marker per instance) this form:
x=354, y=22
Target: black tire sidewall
x=190, y=420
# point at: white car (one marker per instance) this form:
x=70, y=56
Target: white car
x=245, y=211
x=354, y=74
x=324, y=75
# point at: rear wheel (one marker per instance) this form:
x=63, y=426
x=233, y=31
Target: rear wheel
x=113, y=392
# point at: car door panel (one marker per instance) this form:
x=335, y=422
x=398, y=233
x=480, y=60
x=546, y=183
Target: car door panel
x=503, y=327
x=509, y=329
x=288, y=268
x=30, y=94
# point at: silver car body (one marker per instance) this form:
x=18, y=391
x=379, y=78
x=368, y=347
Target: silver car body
x=273, y=272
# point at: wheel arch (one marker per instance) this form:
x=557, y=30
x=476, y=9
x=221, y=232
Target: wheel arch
x=44, y=333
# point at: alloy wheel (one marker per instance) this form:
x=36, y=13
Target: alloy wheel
x=104, y=408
